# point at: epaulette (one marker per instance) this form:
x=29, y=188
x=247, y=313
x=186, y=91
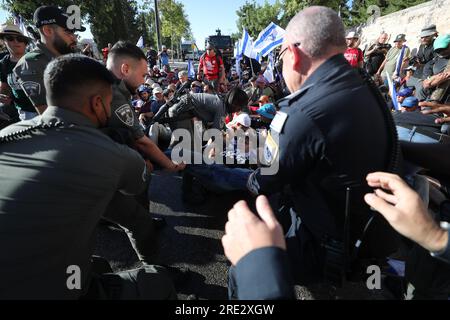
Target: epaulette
x=34, y=55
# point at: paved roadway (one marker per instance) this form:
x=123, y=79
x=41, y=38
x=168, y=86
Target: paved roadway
x=192, y=241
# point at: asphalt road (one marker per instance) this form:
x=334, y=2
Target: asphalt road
x=191, y=240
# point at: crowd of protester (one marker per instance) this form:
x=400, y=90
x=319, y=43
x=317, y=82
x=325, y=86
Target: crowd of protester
x=336, y=118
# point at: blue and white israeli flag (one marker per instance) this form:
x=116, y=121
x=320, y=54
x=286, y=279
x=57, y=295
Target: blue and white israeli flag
x=268, y=39
x=191, y=69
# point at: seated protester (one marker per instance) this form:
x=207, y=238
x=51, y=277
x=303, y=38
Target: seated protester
x=183, y=79
x=196, y=87
x=259, y=89
x=238, y=148
x=410, y=104
x=168, y=94
x=46, y=236
x=408, y=80
x=144, y=94
x=172, y=87
x=376, y=53
x=262, y=101
x=207, y=88
x=425, y=54
x=158, y=101
x=441, y=74
x=156, y=72
x=266, y=114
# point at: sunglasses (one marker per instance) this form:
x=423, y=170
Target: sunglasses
x=16, y=38
x=279, y=60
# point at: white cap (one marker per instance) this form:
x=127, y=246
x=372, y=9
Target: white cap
x=157, y=90
x=155, y=85
x=351, y=35
x=243, y=119
x=150, y=82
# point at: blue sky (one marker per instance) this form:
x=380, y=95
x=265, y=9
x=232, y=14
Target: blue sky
x=205, y=17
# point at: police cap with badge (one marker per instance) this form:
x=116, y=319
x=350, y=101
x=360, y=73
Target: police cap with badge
x=48, y=15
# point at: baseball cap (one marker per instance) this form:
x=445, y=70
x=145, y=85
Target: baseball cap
x=243, y=119
x=442, y=42
x=144, y=88
x=400, y=37
x=351, y=35
x=405, y=92
x=268, y=110
x=157, y=90
x=47, y=15
x=155, y=85
x=410, y=102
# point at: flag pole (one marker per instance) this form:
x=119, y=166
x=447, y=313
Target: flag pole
x=251, y=65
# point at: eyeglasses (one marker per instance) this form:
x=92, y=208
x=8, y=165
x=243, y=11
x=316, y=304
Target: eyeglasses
x=16, y=38
x=279, y=60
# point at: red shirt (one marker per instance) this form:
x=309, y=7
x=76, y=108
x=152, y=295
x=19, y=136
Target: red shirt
x=105, y=52
x=354, y=56
x=210, y=66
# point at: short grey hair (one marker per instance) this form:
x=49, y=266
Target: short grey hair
x=318, y=29
x=183, y=74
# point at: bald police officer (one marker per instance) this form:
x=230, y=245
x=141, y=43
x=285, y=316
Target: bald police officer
x=331, y=132
x=52, y=195
x=57, y=38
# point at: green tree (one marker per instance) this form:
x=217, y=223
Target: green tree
x=254, y=17
x=174, y=22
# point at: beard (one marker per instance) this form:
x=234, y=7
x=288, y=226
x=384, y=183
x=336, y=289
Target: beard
x=62, y=47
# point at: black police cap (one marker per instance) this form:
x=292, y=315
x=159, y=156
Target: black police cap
x=47, y=15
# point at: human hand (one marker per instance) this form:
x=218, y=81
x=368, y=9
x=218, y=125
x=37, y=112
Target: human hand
x=176, y=167
x=405, y=211
x=245, y=232
x=5, y=99
x=436, y=108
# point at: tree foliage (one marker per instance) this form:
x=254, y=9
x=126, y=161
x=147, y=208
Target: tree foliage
x=254, y=17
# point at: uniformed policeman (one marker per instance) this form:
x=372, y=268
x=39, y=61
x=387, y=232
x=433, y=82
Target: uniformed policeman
x=57, y=38
x=128, y=64
x=52, y=195
x=331, y=132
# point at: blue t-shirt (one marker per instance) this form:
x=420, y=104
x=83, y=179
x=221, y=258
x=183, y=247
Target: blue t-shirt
x=164, y=58
x=156, y=105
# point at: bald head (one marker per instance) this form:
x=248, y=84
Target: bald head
x=319, y=30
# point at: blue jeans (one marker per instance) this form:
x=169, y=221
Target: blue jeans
x=410, y=135
x=220, y=178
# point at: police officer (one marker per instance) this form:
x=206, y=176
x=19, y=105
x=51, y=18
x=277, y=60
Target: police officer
x=128, y=64
x=50, y=203
x=57, y=38
x=331, y=132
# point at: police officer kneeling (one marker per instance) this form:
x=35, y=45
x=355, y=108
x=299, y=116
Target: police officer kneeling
x=52, y=195
x=331, y=132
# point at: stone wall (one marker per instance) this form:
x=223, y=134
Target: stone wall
x=409, y=21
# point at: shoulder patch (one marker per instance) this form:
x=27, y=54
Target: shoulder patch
x=125, y=115
x=33, y=55
x=33, y=89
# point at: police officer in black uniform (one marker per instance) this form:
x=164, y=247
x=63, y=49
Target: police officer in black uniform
x=331, y=132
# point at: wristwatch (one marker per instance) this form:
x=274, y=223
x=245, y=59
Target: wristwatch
x=444, y=255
